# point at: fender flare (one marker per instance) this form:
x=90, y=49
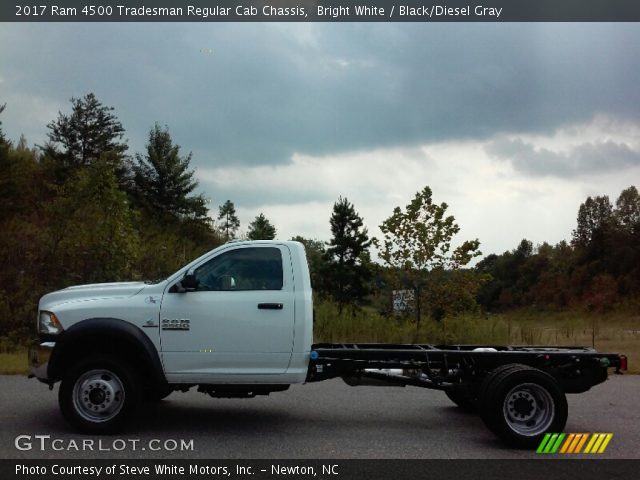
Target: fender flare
x=101, y=329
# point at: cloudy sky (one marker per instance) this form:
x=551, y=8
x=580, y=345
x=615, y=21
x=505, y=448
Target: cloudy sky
x=513, y=125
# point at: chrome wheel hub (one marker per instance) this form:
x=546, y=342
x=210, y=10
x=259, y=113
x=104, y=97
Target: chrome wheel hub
x=98, y=395
x=528, y=409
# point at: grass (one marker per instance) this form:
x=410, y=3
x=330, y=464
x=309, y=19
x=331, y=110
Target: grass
x=14, y=363
x=614, y=332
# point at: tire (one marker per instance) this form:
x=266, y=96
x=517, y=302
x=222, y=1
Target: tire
x=520, y=404
x=469, y=400
x=98, y=394
x=488, y=383
x=465, y=400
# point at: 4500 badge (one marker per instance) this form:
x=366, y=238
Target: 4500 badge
x=176, y=324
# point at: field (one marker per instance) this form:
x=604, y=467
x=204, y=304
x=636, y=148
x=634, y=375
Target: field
x=616, y=332
x=14, y=362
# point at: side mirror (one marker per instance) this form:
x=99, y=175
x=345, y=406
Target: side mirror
x=189, y=283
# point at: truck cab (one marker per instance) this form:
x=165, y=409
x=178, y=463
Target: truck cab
x=239, y=315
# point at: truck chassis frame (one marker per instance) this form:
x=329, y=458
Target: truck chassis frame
x=444, y=367
x=519, y=391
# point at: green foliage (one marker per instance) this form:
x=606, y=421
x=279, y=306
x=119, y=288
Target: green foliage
x=627, y=211
x=57, y=230
x=92, y=234
x=23, y=191
x=316, y=257
x=89, y=133
x=595, y=216
x=418, y=241
x=3, y=140
x=261, y=229
x=229, y=220
x=163, y=183
x=169, y=246
x=347, y=274
x=451, y=293
x=21, y=176
x=368, y=326
x=600, y=267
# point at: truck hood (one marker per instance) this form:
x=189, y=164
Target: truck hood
x=91, y=291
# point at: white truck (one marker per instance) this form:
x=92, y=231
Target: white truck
x=238, y=322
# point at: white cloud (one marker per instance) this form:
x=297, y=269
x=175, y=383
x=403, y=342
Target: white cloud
x=490, y=199
x=597, y=147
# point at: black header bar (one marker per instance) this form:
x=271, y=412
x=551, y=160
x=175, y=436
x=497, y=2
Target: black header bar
x=320, y=11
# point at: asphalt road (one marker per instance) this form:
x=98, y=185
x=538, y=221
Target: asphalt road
x=324, y=420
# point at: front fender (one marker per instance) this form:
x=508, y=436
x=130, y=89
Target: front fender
x=105, y=335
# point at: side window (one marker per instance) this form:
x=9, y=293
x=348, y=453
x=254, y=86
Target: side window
x=242, y=269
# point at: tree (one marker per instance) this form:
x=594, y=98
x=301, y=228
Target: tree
x=347, y=255
x=261, y=229
x=92, y=235
x=230, y=222
x=163, y=183
x=627, y=211
x=418, y=241
x=316, y=257
x=85, y=135
x=23, y=233
x=21, y=183
x=3, y=140
x=594, y=217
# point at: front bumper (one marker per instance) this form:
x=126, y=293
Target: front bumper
x=39, y=360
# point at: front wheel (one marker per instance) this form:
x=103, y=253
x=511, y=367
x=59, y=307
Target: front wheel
x=520, y=405
x=98, y=394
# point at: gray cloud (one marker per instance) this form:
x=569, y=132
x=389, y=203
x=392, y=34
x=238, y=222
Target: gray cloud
x=584, y=159
x=269, y=90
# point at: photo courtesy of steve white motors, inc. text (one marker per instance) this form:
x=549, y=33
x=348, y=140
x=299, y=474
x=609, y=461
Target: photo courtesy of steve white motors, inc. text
x=171, y=469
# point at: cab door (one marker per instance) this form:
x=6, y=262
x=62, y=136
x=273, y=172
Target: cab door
x=238, y=320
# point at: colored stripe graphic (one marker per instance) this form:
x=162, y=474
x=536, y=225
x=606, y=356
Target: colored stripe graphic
x=573, y=443
x=543, y=443
x=581, y=443
x=598, y=443
x=606, y=442
x=570, y=440
x=551, y=443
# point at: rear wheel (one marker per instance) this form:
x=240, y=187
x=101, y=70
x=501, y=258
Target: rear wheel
x=521, y=404
x=98, y=394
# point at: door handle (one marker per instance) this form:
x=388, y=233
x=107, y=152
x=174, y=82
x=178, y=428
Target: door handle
x=270, y=306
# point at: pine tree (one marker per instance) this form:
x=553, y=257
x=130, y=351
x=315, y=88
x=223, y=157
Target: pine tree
x=90, y=132
x=347, y=276
x=230, y=222
x=261, y=229
x=163, y=183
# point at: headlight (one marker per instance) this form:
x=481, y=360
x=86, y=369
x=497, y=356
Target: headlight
x=48, y=323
